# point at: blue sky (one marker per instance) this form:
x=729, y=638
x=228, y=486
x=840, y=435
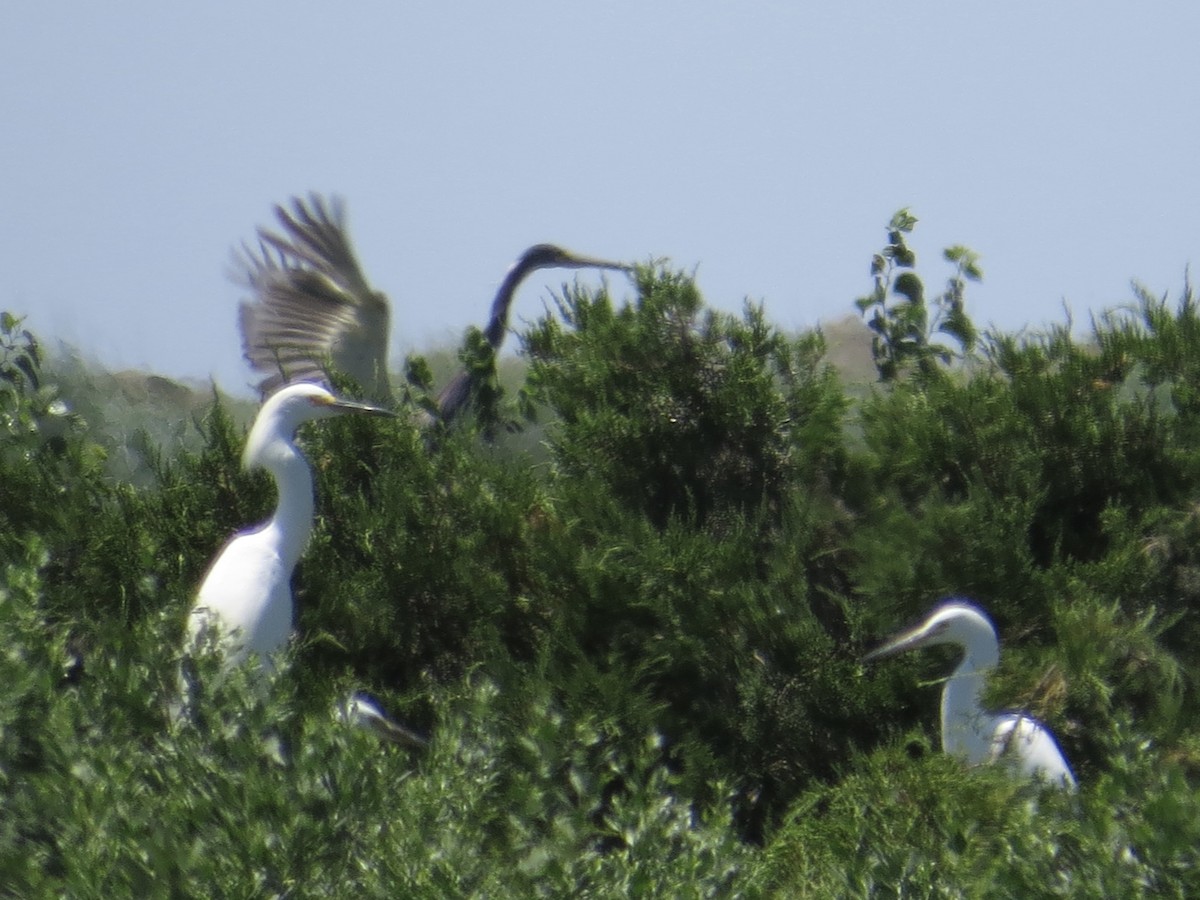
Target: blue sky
x=763, y=145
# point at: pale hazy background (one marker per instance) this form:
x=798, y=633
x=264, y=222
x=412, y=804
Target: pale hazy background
x=765, y=145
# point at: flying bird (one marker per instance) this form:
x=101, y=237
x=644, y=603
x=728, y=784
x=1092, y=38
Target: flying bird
x=968, y=730
x=311, y=306
x=245, y=600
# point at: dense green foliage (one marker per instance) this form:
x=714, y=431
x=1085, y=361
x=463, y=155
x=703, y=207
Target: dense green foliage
x=636, y=649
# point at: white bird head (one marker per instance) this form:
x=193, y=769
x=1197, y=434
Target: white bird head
x=954, y=621
x=363, y=711
x=969, y=730
x=289, y=408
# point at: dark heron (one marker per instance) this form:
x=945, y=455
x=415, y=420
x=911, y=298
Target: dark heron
x=311, y=306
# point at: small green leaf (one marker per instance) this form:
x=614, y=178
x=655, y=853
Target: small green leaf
x=909, y=286
x=418, y=373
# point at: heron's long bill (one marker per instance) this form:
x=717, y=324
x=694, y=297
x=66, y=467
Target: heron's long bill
x=591, y=262
x=353, y=406
x=905, y=640
x=395, y=733
x=364, y=713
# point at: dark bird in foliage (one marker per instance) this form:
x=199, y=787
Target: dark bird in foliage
x=311, y=308
x=968, y=730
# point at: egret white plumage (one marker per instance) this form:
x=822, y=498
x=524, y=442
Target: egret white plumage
x=246, y=595
x=311, y=304
x=968, y=730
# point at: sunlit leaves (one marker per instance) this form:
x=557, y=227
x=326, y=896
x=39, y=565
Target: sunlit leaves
x=903, y=319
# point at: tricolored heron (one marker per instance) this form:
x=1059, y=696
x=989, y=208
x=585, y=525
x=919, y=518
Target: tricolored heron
x=311, y=304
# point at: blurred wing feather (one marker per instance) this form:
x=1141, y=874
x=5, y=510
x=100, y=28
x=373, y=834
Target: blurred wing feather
x=310, y=307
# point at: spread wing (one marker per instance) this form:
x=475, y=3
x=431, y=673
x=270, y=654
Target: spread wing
x=311, y=309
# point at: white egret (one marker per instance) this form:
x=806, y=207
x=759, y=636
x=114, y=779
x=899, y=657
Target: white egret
x=968, y=730
x=246, y=596
x=312, y=306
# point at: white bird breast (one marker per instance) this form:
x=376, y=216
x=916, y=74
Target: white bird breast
x=246, y=595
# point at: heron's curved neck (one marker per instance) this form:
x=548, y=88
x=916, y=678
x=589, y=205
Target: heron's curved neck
x=292, y=522
x=498, y=320
x=965, y=724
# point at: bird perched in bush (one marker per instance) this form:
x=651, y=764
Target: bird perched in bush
x=968, y=730
x=245, y=602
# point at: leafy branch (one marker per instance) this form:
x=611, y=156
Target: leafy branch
x=904, y=328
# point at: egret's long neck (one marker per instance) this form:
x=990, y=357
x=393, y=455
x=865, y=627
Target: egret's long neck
x=966, y=727
x=292, y=522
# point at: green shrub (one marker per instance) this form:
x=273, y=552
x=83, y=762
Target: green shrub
x=635, y=649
